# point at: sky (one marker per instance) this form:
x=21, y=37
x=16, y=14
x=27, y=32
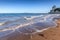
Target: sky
x=27, y=6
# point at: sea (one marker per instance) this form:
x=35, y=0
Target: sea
x=33, y=22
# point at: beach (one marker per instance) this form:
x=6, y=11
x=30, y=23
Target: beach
x=49, y=34
x=32, y=28
x=29, y=20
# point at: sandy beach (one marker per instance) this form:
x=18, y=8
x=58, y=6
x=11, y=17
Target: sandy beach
x=29, y=19
x=50, y=34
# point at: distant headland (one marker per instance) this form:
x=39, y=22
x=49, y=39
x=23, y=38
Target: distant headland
x=55, y=10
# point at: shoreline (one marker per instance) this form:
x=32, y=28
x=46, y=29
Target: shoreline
x=50, y=34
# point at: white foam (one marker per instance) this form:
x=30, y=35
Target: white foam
x=32, y=17
x=1, y=24
x=45, y=18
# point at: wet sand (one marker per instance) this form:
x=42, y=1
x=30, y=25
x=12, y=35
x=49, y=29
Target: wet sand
x=50, y=34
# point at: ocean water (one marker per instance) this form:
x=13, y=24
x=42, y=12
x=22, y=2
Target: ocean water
x=26, y=22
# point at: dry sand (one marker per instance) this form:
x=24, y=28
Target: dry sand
x=50, y=34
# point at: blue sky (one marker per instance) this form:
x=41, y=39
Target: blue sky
x=27, y=6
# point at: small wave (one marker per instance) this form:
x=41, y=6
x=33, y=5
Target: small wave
x=32, y=17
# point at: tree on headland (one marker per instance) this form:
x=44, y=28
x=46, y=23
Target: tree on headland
x=57, y=10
